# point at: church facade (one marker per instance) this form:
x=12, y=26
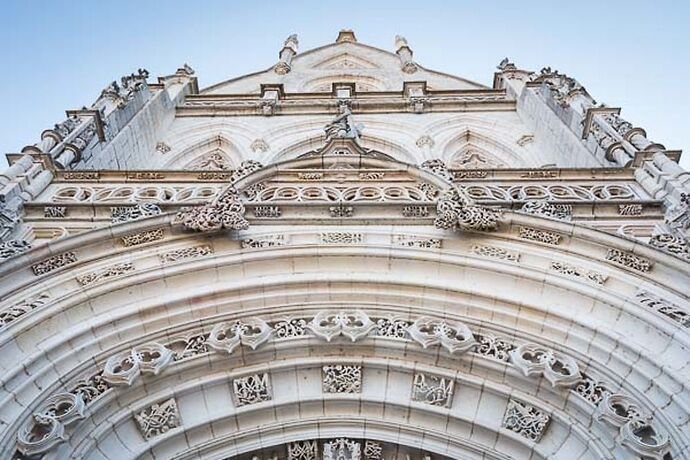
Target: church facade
x=345, y=256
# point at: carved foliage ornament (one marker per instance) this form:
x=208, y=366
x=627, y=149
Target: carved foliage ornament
x=12, y=248
x=628, y=260
x=22, y=308
x=225, y=213
x=122, y=214
x=545, y=209
x=454, y=211
x=251, y=389
x=354, y=325
x=340, y=378
x=672, y=244
x=342, y=449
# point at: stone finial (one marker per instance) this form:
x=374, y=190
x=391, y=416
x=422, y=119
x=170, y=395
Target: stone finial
x=506, y=64
x=403, y=50
x=286, y=54
x=346, y=36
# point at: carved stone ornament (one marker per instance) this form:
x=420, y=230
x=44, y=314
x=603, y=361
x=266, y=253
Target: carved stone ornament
x=289, y=327
x=354, y=325
x=494, y=347
x=20, y=309
x=540, y=236
x=46, y=428
x=157, y=419
x=662, y=306
x=12, y=248
x=672, y=244
x=146, y=236
x=251, y=389
x=494, y=252
x=591, y=390
x=373, y=450
x=644, y=439
x=432, y=389
x=53, y=263
x=562, y=87
x=343, y=126
x=526, y=420
x=558, y=369
x=124, y=369
x=452, y=337
x=246, y=168
x=259, y=145
x=617, y=409
x=105, y=274
x=177, y=255
x=574, y=271
x=340, y=378
x=303, y=450
x=40, y=435
x=545, y=209
x=628, y=260
x=122, y=214
x=454, y=211
x=163, y=148
x=439, y=168
x=227, y=212
x=251, y=332
x=342, y=449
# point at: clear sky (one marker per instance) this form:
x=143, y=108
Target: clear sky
x=59, y=55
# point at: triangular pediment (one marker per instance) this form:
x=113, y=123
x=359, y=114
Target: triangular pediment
x=345, y=61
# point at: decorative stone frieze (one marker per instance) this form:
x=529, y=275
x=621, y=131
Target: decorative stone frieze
x=341, y=211
x=271, y=212
x=91, y=387
x=454, y=211
x=392, y=327
x=493, y=347
x=105, y=274
x=120, y=214
x=265, y=241
x=225, y=213
x=125, y=368
x=303, y=450
x=53, y=263
x=189, y=346
x=13, y=248
x=560, y=370
x=342, y=449
x=341, y=378
x=288, y=328
x=55, y=212
x=415, y=211
x=177, y=255
x=591, y=390
x=158, y=419
x=250, y=332
x=540, y=236
x=630, y=209
x=354, y=325
x=20, y=309
x=310, y=176
x=373, y=450
x=416, y=242
x=341, y=238
x=628, y=260
x=494, y=252
x=432, y=389
x=526, y=420
x=574, y=271
x=664, y=307
x=251, y=389
x=544, y=208
x=453, y=337
x=372, y=175
x=147, y=236
x=672, y=244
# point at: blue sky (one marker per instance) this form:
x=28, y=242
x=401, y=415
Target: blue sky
x=59, y=55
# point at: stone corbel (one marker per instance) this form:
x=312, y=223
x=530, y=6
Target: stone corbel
x=416, y=94
x=270, y=95
x=456, y=212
